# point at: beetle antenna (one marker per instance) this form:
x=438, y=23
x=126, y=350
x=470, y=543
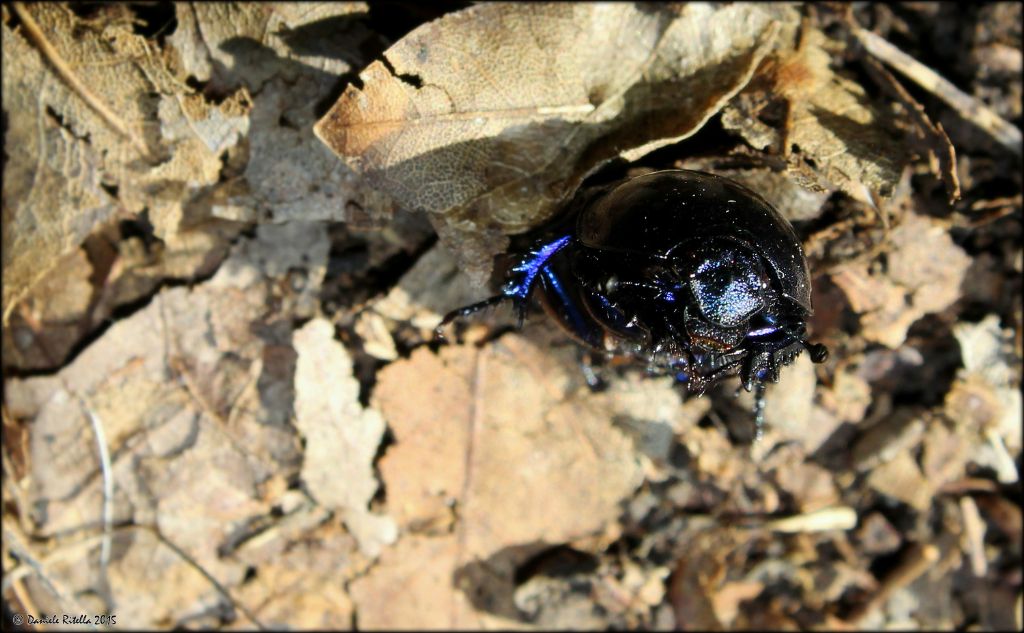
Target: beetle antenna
x=818, y=352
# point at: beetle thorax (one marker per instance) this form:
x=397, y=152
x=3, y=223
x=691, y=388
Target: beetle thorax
x=729, y=287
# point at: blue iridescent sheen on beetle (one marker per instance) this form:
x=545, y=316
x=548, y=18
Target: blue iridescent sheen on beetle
x=689, y=272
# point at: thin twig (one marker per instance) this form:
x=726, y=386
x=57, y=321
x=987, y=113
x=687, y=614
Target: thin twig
x=970, y=108
x=935, y=141
x=20, y=548
x=207, y=575
x=974, y=534
x=108, y=486
x=36, y=35
x=38, y=565
x=837, y=518
x=917, y=560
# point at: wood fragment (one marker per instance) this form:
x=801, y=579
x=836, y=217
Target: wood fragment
x=918, y=559
x=838, y=518
x=968, y=107
x=974, y=534
x=967, y=486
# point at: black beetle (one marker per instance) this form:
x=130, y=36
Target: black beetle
x=692, y=273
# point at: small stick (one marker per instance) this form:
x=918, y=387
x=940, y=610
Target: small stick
x=935, y=140
x=970, y=108
x=824, y=520
x=21, y=549
x=108, y=486
x=974, y=533
x=916, y=561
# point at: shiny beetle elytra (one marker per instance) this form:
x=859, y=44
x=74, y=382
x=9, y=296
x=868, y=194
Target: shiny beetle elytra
x=687, y=271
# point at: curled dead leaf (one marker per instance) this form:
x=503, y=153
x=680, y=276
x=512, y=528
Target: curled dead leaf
x=489, y=118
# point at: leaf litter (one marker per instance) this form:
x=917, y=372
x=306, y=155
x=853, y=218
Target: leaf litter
x=284, y=448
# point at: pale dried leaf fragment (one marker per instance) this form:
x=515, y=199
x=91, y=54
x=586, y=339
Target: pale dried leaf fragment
x=726, y=599
x=901, y=478
x=289, y=57
x=341, y=436
x=488, y=118
x=835, y=135
x=372, y=328
x=925, y=270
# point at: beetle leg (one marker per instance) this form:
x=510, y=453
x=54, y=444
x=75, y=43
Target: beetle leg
x=517, y=289
x=760, y=367
x=759, y=411
x=592, y=371
x=698, y=382
x=568, y=305
x=524, y=274
x=466, y=311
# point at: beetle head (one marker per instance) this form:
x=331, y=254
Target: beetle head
x=729, y=286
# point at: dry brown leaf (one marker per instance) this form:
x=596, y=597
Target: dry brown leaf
x=427, y=291
x=726, y=599
x=810, y=485
x=341, y=436
x=696, y=577
x=42, y=331
x=303, y=587
x=849, y=398
x=70, y=170
x=877, y=535
x=839, y=137
x=788, y=407
x=194, y=392
x=518, y=466
x=412, y=587
x=897, y=433
x=489, y=117
x=52, y=190
x=524, y=464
